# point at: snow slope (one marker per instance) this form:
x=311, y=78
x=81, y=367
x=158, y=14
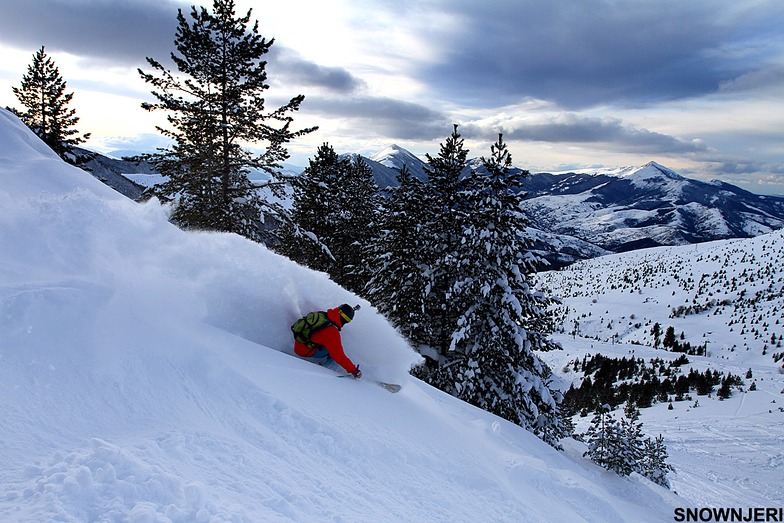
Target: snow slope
x=144, y=377
x=727, y=295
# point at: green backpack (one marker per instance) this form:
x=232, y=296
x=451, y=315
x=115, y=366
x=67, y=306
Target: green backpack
x=305, y=327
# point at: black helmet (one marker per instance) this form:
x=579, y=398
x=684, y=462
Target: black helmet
x=347, y=312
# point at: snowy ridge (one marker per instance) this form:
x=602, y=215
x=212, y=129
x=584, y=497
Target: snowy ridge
x=590, y=210
x=617, y=210
x=738, y=285
x=145, y=377
x=649, y=169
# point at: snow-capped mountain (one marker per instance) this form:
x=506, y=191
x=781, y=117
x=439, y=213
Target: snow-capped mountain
x=581, y=214
x=651, y=205
x=395, y=157
x=383, y=175
x=587, y=213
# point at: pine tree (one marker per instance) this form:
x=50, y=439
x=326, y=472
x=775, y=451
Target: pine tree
x=43, y=94
x=453, y=264
x=214, y=103
x=357, y=226
x=725, y=389
x=481, y=320
x=334, y=215
x=669, y=338
x=443, y=225
x=633, y=443
x=501, y=321
x=654, y=464
x=598, y=436
x=620, y=447
x=315, y=209
x=620, y=455
x=656, y=331
x=400, y=256
x=608, y=443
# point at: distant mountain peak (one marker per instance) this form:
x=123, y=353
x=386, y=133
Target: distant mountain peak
x=389, y=149
x=657, y=169
x=394, y=156
x=651, y=205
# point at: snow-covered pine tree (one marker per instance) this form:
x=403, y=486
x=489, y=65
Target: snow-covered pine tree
x=619, y=454
x=214, y=103
x=620, y=447
x=315, y=210
x=501, y=320
x=481, y=320
x=334, y=215
x=598, y=435
x=401, y=256
x=47, y=114
x=608, y=446
x=654, y=464
x=443, y=221
x=360, y=203
x=632, y=445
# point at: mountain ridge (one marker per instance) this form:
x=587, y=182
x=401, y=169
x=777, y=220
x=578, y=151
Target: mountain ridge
x=590, y=212
x=617, y=210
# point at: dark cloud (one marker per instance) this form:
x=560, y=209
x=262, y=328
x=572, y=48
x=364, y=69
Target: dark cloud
x=402, y=120
x=576, y=129
x=593, y=52
x=128, y=31
x=734, y=166
x=293, y=69
x=122, y=31
x=389, y=117
x=753, y=175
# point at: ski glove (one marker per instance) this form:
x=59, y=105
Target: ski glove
x=357, y=373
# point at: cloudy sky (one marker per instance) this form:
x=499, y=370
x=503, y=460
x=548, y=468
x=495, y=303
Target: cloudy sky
x=695, y=85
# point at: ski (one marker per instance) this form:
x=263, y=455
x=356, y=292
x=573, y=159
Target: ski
x=391, y=387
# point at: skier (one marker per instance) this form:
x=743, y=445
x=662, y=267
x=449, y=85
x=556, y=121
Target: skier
x=317, y=337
